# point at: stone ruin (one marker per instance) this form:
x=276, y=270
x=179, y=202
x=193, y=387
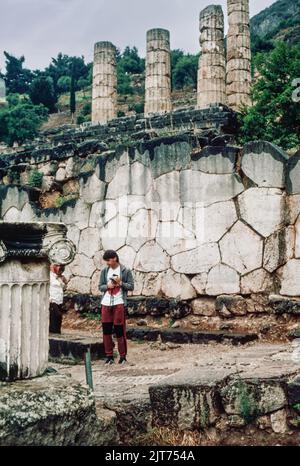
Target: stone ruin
x=210, y=229
x=2, y=92
x=220, y=81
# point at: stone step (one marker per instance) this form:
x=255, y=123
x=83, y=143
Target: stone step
x=177, y=335
x=74, y=346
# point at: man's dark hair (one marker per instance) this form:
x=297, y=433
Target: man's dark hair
x=110, y=254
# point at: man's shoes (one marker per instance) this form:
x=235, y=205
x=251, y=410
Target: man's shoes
x=122, y=360
x=109, y=361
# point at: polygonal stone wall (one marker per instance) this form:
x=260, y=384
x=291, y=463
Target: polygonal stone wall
x=190, y=223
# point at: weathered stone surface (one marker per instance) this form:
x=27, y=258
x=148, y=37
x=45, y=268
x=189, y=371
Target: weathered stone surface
x=294, y=391
x=73, y=234
x=204, y=307
x=257, y=281
x=250, y=398
x=95, y=283
x=263, y=209
x=174, y=238
x=77, y=214
x=284, y=304
x=279, y=421
x=175, y=285
x=290, y=284
x=52, y=411
x=215, y=160
x=152, y=284
x=114, y=234
x=127, y=256
x=203, y=188
x=242, y=249
x=293, y=174
x=264, y=163
x=222, y=280
x=158, y=72
x=82, y=266
x=142, y=228
x=279, y=248
x=217, y=220
x=197, y=260
x=92, y=189
x=231, y=305
x=80, y=285
x=151, y=258
x=167, y=189
x=74, y=346
x=293, y=206
x=199, y=283
x=12, y=197
x=104, y=101
x=212, y=70
x=89, y=242
x=238, y=54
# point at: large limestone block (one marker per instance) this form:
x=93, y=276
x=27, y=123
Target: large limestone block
x=142, y=228
x=81, y=285
x=151, y=258
x=89, y=242
x=127, y=256
x=279, y=248
x=198, y=187
x=216, y=220
x=167, y=189
x=178, y=286
x=197, y=260
x=170, y=155
x=132, y=179
x=12, y=215
x=114, y=234
x=92, y=189
x=215, y=160
x=199, y=283
x=264, y=163
x=263, y=209
x=97, y=214
x=242, y=249
x=259, y=281
x=289, y=274
x=82, y=266
x=222, y=280
x=152, y=284
x=120, y=185
x=174, y=238
x=12, y=197
x=79, y=214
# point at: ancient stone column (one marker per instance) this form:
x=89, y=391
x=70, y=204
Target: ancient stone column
x=2, y=92
x=158, y=72
x=25, y=252
x=212, y=63
x=104, y=100
x=238, y=78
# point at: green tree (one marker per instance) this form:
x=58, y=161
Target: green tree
x=21, y=120
x=17, y=78
x=42, y=92
x=64, y=84
x=62, y=66
x=275, y=114
x=184, y=69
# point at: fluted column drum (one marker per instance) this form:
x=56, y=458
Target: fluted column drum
x=26, y=251
x=24, y=319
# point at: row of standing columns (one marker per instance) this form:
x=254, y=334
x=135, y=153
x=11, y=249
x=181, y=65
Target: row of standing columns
x=221, y=79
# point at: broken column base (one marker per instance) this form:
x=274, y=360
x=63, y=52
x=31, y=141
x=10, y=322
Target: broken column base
x=53, y=411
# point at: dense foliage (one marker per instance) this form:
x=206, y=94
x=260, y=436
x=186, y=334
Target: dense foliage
x=275, y=114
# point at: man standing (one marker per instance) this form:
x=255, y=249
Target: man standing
x=115, y=281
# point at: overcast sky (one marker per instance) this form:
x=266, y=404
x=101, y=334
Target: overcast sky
x=40, y=29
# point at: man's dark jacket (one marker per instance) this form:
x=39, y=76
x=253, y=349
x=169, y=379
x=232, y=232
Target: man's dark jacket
x=126, y=277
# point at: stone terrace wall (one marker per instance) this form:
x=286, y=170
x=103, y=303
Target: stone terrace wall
x=197, y=221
